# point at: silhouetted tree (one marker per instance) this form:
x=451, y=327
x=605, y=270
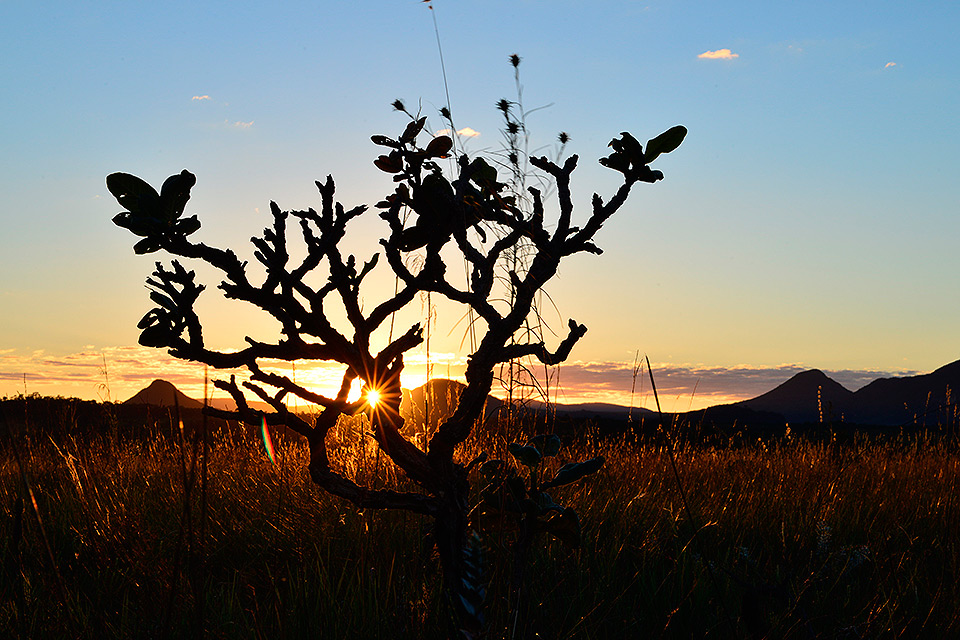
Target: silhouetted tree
x=427, y=211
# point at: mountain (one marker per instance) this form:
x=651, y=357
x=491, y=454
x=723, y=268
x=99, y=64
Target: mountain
x=438, y=396
x=809, y=396
x=441, y=396
x=593, y=410
x=161, y=393
x=813, y=397
x=922, y=399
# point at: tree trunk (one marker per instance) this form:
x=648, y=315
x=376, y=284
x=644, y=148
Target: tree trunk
x=450, y=532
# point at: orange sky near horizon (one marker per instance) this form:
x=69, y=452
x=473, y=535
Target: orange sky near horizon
x=116, y=374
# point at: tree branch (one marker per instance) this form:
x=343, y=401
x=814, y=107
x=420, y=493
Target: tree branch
x=538, y=349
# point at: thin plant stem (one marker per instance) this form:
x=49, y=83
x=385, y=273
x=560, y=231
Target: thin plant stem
x=686, y=504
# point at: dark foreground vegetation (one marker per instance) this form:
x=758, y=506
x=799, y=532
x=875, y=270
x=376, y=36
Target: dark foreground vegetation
x=115, y=526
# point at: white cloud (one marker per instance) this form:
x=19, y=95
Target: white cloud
x=466, y=132
x=243, y=125
x=719, y=54
x=889, y=64
x=203, y=97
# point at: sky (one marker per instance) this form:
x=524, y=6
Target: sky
x=807, y=221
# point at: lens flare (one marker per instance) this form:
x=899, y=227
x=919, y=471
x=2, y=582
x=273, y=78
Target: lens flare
x=268, y=441
x=373, y=397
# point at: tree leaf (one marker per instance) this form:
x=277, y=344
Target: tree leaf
x=528, y=456
x=413, y=130
x=632, y=148
x=163, y=301
x=626, y=152
x=140, y=225
x=156, y=329
x=439, y=147
x=156, y=337
x=545, y=503
x=384, y=141
x=573, y=471
x=147, y=245
x=665, y=142
x=547, y=445
x=187, y=226
x=133, y=194
x=616, y=161
x=392, y=163
x=369, y=266
x=151, y=317
x=484, y=175
x=175, y=193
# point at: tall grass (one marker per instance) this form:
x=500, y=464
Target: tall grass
x=807, y=539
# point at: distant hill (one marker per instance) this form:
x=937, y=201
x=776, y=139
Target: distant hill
x=161, y=393
x=439, y=397
x=442, y=398
x=921, y=399
x=443, y=395
x=587, y=410
x=797, y=399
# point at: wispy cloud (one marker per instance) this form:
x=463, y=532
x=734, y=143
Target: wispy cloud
x=681, y=387
x=243, y=125
x=889, y=64
x=88, y=373
x=719, y=54
x=203, y=97
x=123, y=371
x=466, y=132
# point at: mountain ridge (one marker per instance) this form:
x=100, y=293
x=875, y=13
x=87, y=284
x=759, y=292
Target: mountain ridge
x=813, y=397
x=808, y=397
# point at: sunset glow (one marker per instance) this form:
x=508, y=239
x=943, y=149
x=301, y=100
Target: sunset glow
x=717, y=264
x=560, y=319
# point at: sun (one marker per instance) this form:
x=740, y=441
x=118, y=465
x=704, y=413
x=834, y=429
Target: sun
x=373, y=397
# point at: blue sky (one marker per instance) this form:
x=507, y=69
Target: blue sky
x=809, y=219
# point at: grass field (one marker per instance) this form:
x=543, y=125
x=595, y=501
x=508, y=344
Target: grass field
x=114, y=531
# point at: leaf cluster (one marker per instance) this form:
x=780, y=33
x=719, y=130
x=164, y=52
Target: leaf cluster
x=152, y=215
x=442, y=206
x=633, y=162
x=506, y=495
x=175, y=294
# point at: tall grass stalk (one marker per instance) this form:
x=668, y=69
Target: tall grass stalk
x=694, y=523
